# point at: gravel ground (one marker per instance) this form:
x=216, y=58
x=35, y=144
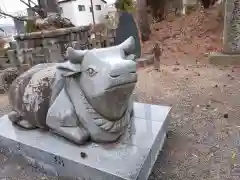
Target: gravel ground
x=203, y=136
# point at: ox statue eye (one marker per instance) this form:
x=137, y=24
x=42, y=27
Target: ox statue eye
x=91, y=72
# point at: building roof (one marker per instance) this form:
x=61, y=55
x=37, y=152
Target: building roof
x=65, y=1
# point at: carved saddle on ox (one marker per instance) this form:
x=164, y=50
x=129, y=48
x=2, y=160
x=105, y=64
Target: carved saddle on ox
x=87, y=97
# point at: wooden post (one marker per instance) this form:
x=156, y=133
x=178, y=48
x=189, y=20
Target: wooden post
x=93, y=16
x=157, y=51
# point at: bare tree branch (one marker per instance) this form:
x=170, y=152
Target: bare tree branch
x=28, y=5
x=4, y=14
x=37, y=8
x=12, y=16
x=32, y=2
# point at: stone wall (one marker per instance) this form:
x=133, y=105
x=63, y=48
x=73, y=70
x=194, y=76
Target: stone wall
x=231, y=34
x=50, y=46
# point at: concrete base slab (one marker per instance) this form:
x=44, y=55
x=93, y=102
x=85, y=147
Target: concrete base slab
x=132, y=157
x=224, y=59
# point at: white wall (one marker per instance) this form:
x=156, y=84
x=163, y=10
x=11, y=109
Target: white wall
x=67, y=10
x=111, y=8
x=83, y=18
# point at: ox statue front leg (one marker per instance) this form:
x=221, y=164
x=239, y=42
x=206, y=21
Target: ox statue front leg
x=130, y=106
x=16, y=118
x=62, y=120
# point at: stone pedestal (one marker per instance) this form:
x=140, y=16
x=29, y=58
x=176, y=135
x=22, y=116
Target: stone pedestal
x=131, y=158
x=231, y=36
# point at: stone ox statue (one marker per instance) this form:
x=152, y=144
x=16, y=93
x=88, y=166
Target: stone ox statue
x=87, y=97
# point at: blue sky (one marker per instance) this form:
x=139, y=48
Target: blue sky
x=12, y=6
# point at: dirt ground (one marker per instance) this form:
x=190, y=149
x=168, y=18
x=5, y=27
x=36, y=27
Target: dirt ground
x=203, y=140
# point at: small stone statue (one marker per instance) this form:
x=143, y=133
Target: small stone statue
x=87, y=97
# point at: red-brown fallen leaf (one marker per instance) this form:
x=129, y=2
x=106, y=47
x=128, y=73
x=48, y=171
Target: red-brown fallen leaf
x=191, y=36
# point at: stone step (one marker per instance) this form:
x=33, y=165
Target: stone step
x=145, y=60
x=3, y=59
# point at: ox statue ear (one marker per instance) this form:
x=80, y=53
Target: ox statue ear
x=131, y=57
x=69, y=69
x=128, y=46
x=75, y=56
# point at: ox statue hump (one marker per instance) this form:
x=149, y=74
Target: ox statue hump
x=87, y=97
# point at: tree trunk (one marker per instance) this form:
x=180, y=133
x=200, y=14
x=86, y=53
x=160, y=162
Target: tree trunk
x=221, y=9
x=207, y=3
x=48, y=6
x=52, y=6
x=157, y=8
x=142, y=18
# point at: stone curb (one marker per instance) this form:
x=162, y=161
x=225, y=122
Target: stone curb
x=145, y=61
x=224, y=59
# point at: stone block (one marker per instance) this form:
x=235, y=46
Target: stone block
x=146, y=60
x=140, y=62
x=131, y=157
x=224, y=59
x=150, y=59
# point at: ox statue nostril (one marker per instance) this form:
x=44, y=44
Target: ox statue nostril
x=124, y=67
x=115, y=75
